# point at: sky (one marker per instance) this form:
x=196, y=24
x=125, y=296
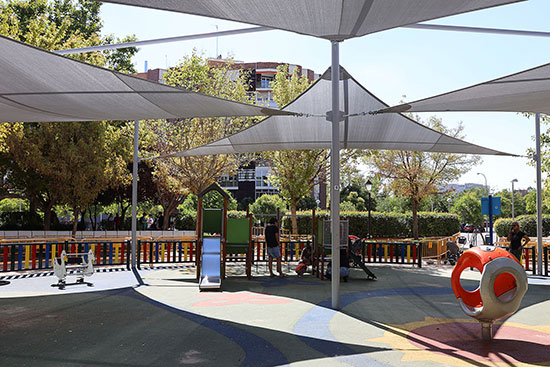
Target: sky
x=396, y=65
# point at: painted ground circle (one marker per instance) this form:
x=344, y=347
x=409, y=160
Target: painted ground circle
x=510, y=344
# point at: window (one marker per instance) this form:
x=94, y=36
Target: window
x=266, y=81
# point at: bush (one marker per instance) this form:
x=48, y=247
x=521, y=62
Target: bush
x=20, y=221
x=186, y=220
x=527, y=224
x=307, y=203
x=387, y=224
x=383, y=224
x=266, y=205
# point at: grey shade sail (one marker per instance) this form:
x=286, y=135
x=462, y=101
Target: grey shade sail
x=39, y=86
x=330, y=19
x=363, y=131
x=526, y=91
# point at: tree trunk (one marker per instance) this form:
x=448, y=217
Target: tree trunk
x=414, y=203
x=47, y=216
x=294, y=219
x=32, y=206
x=76, y=216
x=123, y=210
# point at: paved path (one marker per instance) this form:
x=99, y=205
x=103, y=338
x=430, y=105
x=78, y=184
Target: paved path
x=408, y=317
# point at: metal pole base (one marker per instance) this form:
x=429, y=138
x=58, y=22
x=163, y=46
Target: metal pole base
x=487, y=330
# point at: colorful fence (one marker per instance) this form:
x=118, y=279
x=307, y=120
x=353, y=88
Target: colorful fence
x=392, y=252
x=40, y=255
x=156, y=252
x=529, y=259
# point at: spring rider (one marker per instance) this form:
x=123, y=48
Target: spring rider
x=502, y=287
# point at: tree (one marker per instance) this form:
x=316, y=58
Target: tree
x=58, y=24
x=64, y=24
x=531, y=201
x=266, y=206
x=418, y=174
x=506, y=203
x=177, y=177
x=294, y=172
x=50, y=153
x=468, y=206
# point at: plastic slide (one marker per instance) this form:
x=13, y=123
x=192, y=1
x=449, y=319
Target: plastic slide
x=211, y=263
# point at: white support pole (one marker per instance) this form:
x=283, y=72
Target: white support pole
x=134, y=193
x=539, y=195
x=162, y=40
x=335, y=176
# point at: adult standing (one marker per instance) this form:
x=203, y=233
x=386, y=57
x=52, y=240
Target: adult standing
x=273, y=246
x=516, y=237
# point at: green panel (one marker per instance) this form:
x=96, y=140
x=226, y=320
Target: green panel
x=237, y=235
x=212, y=220
x=237, y=230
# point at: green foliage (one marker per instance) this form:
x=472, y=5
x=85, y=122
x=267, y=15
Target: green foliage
x=358, y=184
x=347, y=206
x=186, y=220
x=14, y=205
x=213, y=199
x=245, y=203
x=63, y=24
x=468, y=207
x=357, y=201
x=527, y=224
x=267, y=204
x=20, y=221
x=120, y=59
x=307, y=203
x=531, y=201
x=387, y=224
x=393, y=204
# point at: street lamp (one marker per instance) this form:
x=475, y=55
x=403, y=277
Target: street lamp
x=449, y=200
x=369, y=187
x=514, y=180
x=485, y=177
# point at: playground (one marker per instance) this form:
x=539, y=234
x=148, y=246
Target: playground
x=208, y=300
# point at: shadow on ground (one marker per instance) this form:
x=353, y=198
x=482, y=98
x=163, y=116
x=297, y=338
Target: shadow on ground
x=124, y=328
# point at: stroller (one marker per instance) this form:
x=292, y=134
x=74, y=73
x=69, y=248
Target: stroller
x=355, y=246
x=453, y=253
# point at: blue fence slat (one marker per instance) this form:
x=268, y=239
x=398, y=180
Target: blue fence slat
x=47, y=257
x=20, y=257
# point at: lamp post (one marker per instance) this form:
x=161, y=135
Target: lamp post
x=369, y=187
x=449, y=201
x=514, y=180
x=485, y=177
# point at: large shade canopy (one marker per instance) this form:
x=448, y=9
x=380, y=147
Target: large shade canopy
x=313, y=131
x=526, y=91
x=37, y=85
x=330, y=19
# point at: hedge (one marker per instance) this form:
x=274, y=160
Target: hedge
x=383, y=224
x=527, y=223
x=387, y=224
